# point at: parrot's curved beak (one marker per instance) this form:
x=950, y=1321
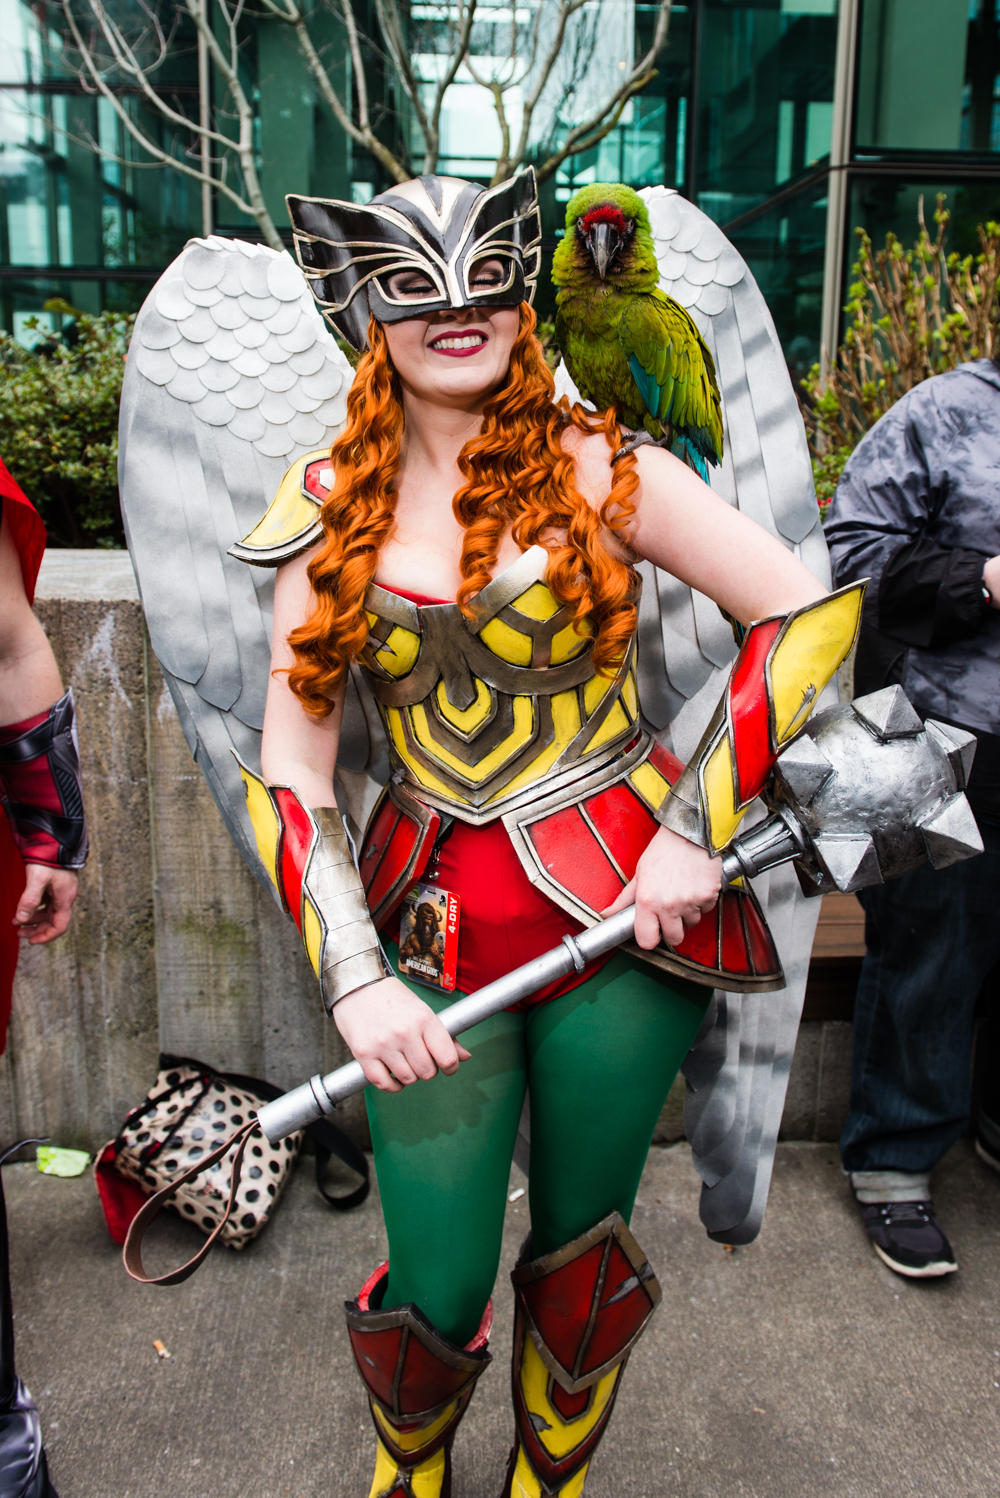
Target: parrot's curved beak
x=603, y=241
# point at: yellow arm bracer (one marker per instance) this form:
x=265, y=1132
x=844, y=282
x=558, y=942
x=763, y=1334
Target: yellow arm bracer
x=783, y=665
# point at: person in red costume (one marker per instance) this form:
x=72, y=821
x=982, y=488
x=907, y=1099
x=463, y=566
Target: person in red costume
x=43, y=842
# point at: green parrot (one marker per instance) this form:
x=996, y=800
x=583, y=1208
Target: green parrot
x=625, y=342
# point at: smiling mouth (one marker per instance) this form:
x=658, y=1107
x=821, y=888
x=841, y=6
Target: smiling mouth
x=458, y=345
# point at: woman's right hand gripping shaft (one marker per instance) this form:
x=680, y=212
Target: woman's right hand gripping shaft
x=397, y=1038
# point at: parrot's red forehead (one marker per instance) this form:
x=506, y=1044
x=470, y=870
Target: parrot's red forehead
x=605, y=214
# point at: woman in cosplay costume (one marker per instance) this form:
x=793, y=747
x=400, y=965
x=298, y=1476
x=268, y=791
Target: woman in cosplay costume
x=43, y=841
x=474, y=557
x=455, y=591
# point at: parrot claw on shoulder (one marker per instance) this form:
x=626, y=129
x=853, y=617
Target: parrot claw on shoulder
x=638, y=439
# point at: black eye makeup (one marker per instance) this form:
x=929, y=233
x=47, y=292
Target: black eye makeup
x=411, y=285
x=488, y=275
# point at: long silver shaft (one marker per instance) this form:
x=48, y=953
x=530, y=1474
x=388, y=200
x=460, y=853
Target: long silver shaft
x=764, y=847
x=319, y=1096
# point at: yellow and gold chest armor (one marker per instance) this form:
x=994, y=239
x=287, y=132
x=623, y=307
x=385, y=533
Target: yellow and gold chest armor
x=500, y=714
x=484, y=712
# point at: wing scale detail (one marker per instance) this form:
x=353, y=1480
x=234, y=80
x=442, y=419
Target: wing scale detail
x=232, y=376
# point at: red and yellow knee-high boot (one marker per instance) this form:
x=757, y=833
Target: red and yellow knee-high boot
x=579, y=1313
x=419, y=1386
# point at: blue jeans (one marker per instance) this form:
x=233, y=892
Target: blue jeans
x=932, y=938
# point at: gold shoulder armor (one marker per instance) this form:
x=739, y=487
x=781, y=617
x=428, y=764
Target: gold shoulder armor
x=292, y=522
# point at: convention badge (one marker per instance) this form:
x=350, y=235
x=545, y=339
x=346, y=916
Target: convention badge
x=428, y=936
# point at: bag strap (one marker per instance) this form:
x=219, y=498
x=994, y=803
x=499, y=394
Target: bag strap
x=206, y=1075
x=132, y=1252
x=154, y=1147
x=329, y=1140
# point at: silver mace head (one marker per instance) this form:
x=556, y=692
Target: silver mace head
x=867, y=793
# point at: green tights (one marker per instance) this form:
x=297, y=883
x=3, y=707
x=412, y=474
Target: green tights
x=599, y=1062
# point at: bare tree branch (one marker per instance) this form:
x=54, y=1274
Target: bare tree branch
x=397, y=43
x=498, y=89
x=445, y=81
x=570, y=49
x=566, y=9
x=87, y=141
x=548, y=58
x=391, y=25
x=607, y=114
x=228, y=67
x=124, y=58
x=357, y=62
x=292, y=15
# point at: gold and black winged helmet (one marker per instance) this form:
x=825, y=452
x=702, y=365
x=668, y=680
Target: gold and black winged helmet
x=439, y=229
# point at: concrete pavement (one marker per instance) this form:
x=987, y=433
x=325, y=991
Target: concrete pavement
x=796, y=1366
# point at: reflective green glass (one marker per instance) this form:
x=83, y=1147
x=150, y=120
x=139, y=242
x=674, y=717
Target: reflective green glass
x=928, y=76
x=881, y=205
x=62, y=203
x=23, y=298
x=784, y=248
x=73, y=191
x=765, y=98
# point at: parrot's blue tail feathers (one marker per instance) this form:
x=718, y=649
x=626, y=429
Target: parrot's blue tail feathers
x=705, y=444
x=685, y=449
x=647, y=386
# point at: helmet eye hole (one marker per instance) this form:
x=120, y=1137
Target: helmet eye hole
x=411, y=285
x=488, y=275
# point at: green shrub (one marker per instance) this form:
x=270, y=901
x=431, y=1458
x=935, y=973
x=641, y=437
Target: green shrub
x=914, y=313
x=59, y=426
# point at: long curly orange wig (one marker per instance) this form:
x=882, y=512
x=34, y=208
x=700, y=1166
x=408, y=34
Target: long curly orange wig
x=518, y=478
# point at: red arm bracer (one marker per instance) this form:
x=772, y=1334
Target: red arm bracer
x=41, y=787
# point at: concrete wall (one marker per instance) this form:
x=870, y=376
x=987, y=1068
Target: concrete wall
x=174, y=945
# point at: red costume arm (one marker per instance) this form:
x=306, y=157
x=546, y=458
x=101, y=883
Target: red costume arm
x=27, y=532
x=309, y=857
x=26, y=528
x=783, y=665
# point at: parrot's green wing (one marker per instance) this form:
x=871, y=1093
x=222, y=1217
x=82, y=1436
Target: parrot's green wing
x=673, y=370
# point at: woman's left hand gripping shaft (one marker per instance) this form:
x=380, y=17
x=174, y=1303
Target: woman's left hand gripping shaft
x=675, y=883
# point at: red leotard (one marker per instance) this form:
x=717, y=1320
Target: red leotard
x=505, y=921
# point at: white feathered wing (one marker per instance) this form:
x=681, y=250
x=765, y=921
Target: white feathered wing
x=737, y=1070
x=231, y=375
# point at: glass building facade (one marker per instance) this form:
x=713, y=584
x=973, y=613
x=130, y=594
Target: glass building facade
x=792, y=123
x=887, y=103
x=85, y=216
